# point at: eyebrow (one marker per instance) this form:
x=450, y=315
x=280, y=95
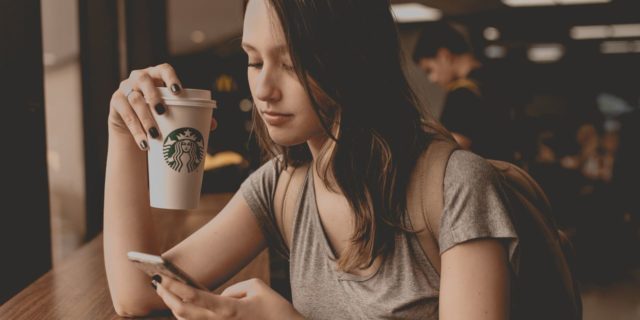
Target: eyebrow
x=281, y=48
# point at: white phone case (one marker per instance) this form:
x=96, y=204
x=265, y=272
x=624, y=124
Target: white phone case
x=153, y=264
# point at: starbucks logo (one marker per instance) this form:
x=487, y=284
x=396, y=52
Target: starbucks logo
x=183, y=149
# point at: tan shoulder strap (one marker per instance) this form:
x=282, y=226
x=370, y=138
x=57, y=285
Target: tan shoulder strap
x=465, y=83
x=289, y=185
x=425, y=197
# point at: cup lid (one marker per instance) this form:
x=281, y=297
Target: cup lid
x=185, y=94
x=188, y=96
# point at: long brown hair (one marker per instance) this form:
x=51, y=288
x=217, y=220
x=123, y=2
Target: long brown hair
x=347, y=56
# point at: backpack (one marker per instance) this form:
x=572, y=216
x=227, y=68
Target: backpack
x=545, y=287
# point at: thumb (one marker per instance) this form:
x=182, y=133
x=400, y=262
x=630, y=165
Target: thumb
x=238, y=290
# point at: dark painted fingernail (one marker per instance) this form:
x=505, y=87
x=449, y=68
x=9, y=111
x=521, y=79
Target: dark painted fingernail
x=153, y=132
x=160, y=109
x=153, y=284
x=143, y=144
x=157, y=278
x=175, y=88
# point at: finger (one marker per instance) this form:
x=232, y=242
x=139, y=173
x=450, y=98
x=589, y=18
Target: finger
x=238, y=290
x=130, y=119
x=125, y=87
x=192, y=295
x=183, y=291
x=135, y=76
x=179, y=308
x=214, y=124
x=147, y=85
x=141, y=109
x=166, y=72
x=141, y=80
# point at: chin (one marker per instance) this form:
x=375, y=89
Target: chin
x=285, y=138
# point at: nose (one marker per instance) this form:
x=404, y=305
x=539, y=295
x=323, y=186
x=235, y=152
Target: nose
x=267, y=86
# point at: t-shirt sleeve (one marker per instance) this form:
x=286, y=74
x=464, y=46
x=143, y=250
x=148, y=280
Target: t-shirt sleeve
x=258, y=191
x=475, y=205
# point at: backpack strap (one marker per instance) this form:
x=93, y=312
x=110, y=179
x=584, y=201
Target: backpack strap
x=465, y=83
x=425, y=197
x=290, y=180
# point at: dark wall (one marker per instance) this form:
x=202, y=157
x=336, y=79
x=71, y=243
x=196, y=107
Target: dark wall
x=116, y=37
x=100, y=78
x=25, y=241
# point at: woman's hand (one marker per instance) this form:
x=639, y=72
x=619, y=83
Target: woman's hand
x=251, y=299
x=130, y=106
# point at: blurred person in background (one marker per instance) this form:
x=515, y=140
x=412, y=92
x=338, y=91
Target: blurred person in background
x=596, y=155
x=473, y=109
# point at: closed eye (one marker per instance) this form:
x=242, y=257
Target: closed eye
x=259, y=65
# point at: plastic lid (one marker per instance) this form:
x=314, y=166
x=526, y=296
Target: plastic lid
x=188, y=97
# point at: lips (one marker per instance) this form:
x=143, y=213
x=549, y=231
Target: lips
x=276, y=118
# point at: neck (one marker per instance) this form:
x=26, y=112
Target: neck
x=315, y=145
x=465, y=64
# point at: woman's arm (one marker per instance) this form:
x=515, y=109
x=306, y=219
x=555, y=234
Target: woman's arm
x=210, y=255
x=128, y=226
x=475, y=281
x=221, y=248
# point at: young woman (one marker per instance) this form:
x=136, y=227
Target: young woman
x=329, y=90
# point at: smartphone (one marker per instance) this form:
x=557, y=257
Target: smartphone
x=153, y=264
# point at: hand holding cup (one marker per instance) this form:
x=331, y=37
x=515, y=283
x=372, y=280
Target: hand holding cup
x=174, y=134
x=131, y=105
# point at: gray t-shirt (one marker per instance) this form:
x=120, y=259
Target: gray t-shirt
x=405, y=285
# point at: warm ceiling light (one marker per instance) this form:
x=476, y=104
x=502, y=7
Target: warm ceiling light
x=612, y=47
x=414, y=12
x=528, y=3
x=491, y=33
x=582, y=1
x=534, y=3
x=590, y=32
x=602, y=32
x=545, y=53
x=495, y=52
x=626, y=30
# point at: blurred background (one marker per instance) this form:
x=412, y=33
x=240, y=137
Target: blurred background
x=569, y=70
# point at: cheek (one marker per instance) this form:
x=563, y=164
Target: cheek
x=309, y=122
x=251, y=80
x=433, y=76
x=304, y=126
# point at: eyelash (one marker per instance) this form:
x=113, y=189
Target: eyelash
x=259, y=66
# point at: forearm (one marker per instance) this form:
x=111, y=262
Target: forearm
x=128, y=224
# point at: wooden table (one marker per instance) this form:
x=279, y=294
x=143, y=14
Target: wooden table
x=77, y=288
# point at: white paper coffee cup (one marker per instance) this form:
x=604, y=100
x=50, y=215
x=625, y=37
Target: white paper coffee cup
x=176, y=158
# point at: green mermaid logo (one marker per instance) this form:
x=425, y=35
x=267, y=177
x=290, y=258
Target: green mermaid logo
x=183, y=149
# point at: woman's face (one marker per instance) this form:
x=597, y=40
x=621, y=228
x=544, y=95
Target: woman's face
x=280, y=98
x=439, y=68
